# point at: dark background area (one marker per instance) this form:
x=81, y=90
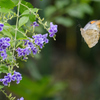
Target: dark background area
x=66, y=69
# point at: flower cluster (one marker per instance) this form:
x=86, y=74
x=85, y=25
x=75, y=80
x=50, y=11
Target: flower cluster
x=23, y=52
x=26, y=51
x=4, y=44
x=52, y=30
x=31, y=46
x=21, y=98
x=1, y=26
x=16, y=77
x=7, y=79
x=39, y=39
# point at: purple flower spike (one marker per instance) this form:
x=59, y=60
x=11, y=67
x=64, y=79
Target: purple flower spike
x=52, y=30
x=35, y=24
x=1, y=26
x=21, y=98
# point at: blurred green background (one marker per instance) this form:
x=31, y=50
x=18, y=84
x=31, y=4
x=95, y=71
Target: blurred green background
x=66, y=69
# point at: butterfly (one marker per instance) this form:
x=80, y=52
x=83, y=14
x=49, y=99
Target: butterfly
x=90, y=32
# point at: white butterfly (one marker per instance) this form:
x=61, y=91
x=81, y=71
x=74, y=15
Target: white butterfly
x=90, y=32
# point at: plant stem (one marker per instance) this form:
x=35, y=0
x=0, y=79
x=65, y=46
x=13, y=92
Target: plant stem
x=16, y=29
x=4, y=93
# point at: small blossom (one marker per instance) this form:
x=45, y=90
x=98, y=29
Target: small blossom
x=6, y=79
x=40, y=39
x=1, y=26
x=21, y=98
x=35, y=24
x=17, y=76
x=23, y=52
x=52, y=30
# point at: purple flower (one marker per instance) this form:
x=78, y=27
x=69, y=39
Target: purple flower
x=30, y=47
x=7, y=79
x=1, y=26
x=21, y=98
x=39, y=39
x=52, y=30
x=4, y=44
x=26, y=42
x=17, y=76
x=34, y=50
x=4, y=81
x=23, y=52
x=7, y=39
x=35, y=24
x=4, y=55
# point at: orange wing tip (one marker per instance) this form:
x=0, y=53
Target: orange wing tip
x=92, y=22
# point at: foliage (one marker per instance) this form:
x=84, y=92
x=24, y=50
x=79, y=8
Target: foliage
x=64, y=11
x=37, y=90
x=16, y=43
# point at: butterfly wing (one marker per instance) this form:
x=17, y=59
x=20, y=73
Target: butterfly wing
x=90, y=36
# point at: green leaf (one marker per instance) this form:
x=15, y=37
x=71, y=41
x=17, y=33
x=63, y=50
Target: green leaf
x=6, y=4
x=30, y=14
x=5, y=10
x=64, y=21
x=27, y=12
x=34, y=9
x=60, y=4
x=23, y=20
x=7, y=26
x=3, y=68
x=9, y=55
x=15, y=1
x=32, y=17
x=6, y=32
x=86, y=8
x=50, y=10
x=79, y=10
x=23, y=8
x=19, y=43
x=86, y=1
x=21, y=36
x=1, y=86
x=75, y=12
